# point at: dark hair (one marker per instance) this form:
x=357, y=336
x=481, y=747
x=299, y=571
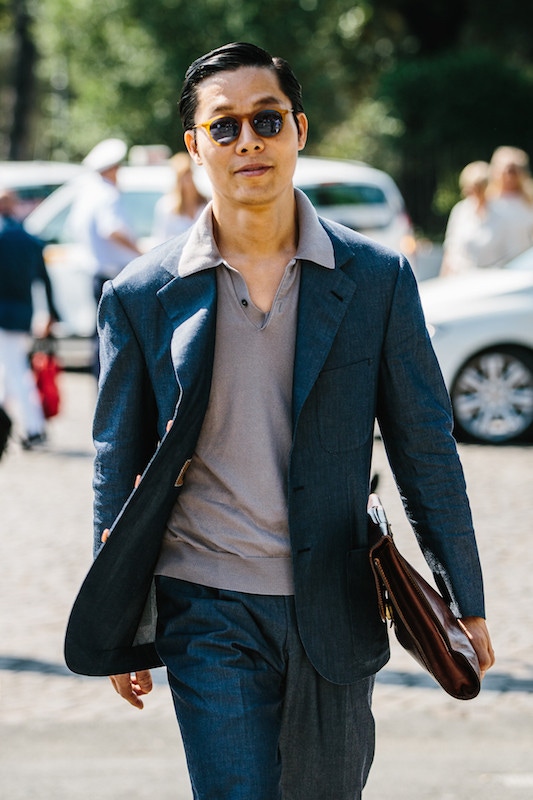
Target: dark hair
x=231, y=57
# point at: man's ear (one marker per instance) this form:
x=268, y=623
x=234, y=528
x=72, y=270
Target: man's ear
x=189, y=137
x=303, y=127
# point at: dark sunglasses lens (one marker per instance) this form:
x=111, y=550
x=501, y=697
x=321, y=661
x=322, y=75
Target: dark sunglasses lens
x=225, y=130
x=268, y=123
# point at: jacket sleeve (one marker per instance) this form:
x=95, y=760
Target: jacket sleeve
x=125, y=421
x=415, y=418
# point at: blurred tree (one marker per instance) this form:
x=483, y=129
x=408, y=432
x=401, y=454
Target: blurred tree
x=18, y=58
x=103, y=75
x=454, y=109
x=379, y=77
x=435, y=26
x=23, y=81
x=125, y=60
x=465, y=88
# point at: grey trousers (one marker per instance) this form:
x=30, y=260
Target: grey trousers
x=257, y=721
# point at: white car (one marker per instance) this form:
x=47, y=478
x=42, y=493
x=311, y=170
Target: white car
x=32, y=181
x=361, y=197
x=481, y=326
x=354, y=194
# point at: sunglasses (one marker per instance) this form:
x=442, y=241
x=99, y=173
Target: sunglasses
x=224, y=130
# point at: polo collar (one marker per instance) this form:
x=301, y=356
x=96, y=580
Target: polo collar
x=200, y=251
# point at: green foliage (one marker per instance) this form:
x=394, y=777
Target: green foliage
x=366, y=136
x=400, y=84
x=467, y=102
x=121, y=62
x=446, y=195
x=101, y=75
x=454, y=108
x=316, y=37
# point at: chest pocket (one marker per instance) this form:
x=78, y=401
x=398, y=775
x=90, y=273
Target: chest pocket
x=346, y=406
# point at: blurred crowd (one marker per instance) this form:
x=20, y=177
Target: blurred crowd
x=99, y=221
x=489, y=226
x=21, y=265
x=493, y=222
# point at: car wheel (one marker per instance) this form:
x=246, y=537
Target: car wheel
x=492, y=396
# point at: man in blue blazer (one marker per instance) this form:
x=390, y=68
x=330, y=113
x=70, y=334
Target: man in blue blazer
x=243, y=367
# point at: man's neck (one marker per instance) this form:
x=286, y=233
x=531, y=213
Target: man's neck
x=259, y=241
x=256, y=233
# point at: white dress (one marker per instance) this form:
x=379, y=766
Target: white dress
x=474, y=239
x=517, y=216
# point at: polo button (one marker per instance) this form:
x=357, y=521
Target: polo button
x=244, y=302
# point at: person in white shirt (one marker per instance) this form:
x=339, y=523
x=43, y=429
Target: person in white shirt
x=475, y=233
x=511, y=191
x=98, y=219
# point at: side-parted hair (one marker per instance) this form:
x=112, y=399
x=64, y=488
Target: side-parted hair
x=231, y=57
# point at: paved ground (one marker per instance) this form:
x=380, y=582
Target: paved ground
x=70, y=738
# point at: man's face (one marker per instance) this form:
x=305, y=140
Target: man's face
x=252, y=170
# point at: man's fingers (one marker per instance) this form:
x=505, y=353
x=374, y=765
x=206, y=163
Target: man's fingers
x=131, y=687
x=477, y=631
x=143, y=682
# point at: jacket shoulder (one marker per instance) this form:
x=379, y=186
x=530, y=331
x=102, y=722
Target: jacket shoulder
x=152, y=269
x=358, y=255
x=349, y=243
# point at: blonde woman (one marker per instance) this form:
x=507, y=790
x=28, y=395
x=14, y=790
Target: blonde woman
x=511, y=190
x=176, y=211
x=475, y=231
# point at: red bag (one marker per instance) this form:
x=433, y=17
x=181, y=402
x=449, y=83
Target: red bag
x=46, y=369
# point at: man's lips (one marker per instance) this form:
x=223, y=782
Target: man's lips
x=253, y=170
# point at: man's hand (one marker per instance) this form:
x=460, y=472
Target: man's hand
x=478, y=633
x=131, y=686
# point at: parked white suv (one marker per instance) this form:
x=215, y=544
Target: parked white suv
x=354, y=194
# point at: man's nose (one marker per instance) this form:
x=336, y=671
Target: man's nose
x=248, y=139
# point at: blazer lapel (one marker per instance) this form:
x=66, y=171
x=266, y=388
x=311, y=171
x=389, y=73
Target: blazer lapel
x=190, y=303
x=324, y=297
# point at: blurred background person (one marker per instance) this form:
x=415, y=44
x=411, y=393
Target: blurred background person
x=99, y=221
x=177, y=210
x=475, y=235
x=21, y=265
x=511, y=191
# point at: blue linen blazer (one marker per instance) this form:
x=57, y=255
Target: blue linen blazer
x=362, y=353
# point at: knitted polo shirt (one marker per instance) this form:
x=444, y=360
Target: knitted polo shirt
x=229, y=526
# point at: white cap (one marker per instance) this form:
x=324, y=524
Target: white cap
x=106, y=154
